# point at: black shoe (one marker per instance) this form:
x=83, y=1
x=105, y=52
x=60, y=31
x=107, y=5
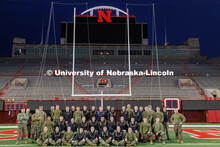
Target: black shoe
x=168, y=139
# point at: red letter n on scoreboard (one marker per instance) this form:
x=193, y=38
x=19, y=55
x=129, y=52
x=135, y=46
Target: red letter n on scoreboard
x=103, y=15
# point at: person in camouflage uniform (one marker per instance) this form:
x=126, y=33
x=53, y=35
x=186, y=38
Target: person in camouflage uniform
x=68, y=137
x=44, y=137
x=105, y=137
x=56, y=137
x=22, y=121
x=158, y=114
x=56, y=114
x=145, y=131
x=35, y=131
x=151, y=113
x=158, y=130
x=118, y=138
x=92, y=137
x=79, y=139
x=29, y=122
x=178, y=119
x=129, y=111
x=43, y=117
x=77, y=115
x=49, y=124
x=130, y=138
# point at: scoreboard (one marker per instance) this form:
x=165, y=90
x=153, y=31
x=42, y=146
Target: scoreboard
x=89, y=30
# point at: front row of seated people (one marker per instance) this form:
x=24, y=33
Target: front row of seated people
x=106, y=137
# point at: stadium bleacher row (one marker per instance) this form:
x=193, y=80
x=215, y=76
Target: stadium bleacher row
x=205, y=74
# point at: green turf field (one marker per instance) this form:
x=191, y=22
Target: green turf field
x=8, y=135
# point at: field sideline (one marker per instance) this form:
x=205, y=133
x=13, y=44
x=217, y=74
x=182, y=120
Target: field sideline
x=206, y=135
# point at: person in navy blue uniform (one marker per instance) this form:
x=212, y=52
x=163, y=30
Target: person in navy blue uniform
x=141, y=110
x=84, y=124
x=102, y=123
x=61, y=124
x=93, y=123
x=107, y=113
x=134, y=126
x=122, y=124
x=100, y=114
x=92, y=137
x=86, y=112
x=92, y=112
x=118, y=137
x=111, y=125
x=136, y=114
x=124, y=113
x=79, y=139
x=113, y=114
x=56, y=137
x=105, y=137
x=67, y=115
x=73, y=126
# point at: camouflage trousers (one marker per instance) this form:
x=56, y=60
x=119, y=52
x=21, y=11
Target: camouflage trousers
x=136, y=134
x=178, y=131
x=92, y=142
x=22, y=128
x=43, y=142
x=79, y=143
x=166, y=128
x=146, y=135
x=105, y=142
x=160, y=136
x=66, y=142
x=53, y=142
x=131, y=142
x=118, y=143
x=35, y=131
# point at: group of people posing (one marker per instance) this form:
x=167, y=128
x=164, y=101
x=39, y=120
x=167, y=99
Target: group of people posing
x=83, y=127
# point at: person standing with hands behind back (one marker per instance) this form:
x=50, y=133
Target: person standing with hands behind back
x=178, y=119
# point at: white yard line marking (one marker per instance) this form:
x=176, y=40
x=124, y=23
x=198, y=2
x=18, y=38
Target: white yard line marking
x=198, y=126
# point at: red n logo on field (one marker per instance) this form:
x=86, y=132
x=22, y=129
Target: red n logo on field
x=103, y=15
x=197, y=133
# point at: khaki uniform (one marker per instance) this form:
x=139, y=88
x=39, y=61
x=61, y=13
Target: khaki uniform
x=44, y=138
x=145, y=130
x=131, y=138
x=67, y=138
x=35, y=131
x=147, y=114
x=158, y=115
x=50, y=125
x=56, y=115
x=43, y=119
x=158, y=128
x=130, y=111
x=77, y=115
x=22, y=121
x=177, y=119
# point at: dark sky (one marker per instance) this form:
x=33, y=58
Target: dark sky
x=183, y=19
